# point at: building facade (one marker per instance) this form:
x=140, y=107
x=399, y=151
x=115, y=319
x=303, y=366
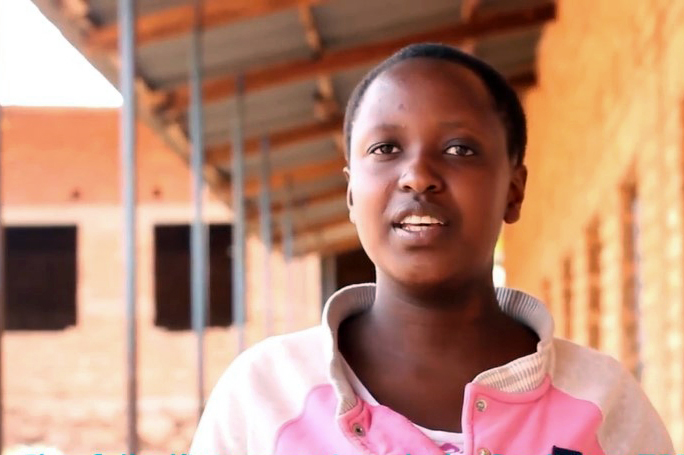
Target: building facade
x=64, y=375
x=601, y=234
x=601, y=240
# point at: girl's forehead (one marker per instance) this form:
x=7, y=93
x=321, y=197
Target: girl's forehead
x=422, y=86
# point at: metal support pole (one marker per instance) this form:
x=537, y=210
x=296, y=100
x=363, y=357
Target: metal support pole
x=239, y=216
x=2, y=289
x=128, y=140
x=288, y=252
x=266, y=231
x=198, y=273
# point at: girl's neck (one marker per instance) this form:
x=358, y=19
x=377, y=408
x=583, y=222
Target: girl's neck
x=429, y=345
x=421, y=320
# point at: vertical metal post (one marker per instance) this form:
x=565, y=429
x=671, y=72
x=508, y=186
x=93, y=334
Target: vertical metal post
x=128, y=173
x=239, y=223
x=288, y=252
x=198, y=253
x=2, y=289
x=266, y=231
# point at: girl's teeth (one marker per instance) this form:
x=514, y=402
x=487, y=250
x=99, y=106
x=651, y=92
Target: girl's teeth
x=414, y=219
x=414, y=228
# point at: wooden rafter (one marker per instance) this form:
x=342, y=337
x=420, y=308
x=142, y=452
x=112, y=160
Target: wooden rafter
x=324, y=248
x=307, y=132
x=327, y=111
x=312, y=199
x=317, y=226
x=332, y=248
x=303, y=173
x=312, y=218
x=334, y=208
x=469, y=9
x=177, y=20
x=332, y=61
x=468, y=12
x=279, y=178
x=334, y=239
x=325, y=106
x=313, y=37
x=303, y=191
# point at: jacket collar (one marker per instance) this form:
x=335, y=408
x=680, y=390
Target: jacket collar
x=520, y=375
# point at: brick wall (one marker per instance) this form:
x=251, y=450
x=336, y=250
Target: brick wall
x=606, y=120
x=81, y=165
x=67, y=389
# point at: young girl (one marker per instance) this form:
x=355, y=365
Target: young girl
x=430, y=359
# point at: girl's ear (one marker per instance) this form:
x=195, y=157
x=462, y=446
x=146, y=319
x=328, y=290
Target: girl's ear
x=350, y=199
x=516, y=194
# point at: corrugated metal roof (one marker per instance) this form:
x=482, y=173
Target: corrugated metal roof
x=318, y=212
x=312, y=241
x=105, y=11
x=347, y=23
x=276, y=109
x=250, y=43
x=261, y=42
x=305, y=191
x=512, y=52
x=305, y=215
x=292, y=157
x=345, y=81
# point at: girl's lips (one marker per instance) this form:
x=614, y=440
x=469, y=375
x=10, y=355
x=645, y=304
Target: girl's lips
x=423, y=235
x=420, y=209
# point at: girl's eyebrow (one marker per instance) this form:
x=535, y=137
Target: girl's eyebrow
x=387, y=126
x=394, y=127
x=453, y=124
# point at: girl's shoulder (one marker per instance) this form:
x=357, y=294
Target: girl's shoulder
x=628, y=418
x=267, y=383
x=294, y=354
x=568, y=356
x=589, y=374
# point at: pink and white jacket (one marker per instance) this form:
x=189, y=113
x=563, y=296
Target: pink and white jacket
x=288, y=395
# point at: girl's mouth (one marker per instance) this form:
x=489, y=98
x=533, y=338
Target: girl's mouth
x=420, y=234
x=415, y=223
x=416, y=227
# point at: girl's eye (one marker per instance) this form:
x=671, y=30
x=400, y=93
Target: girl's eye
x=384, y=149
x=459, y=150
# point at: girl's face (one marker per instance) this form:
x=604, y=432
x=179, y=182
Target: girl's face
x=430, y=179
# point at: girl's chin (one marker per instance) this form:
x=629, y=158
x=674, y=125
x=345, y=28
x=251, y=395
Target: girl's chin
x=437, y=273
x=420, y=276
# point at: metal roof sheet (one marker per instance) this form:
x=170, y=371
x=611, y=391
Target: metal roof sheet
x=263, y=41
x=304, y=191
x=105, y=11
x=511, y=52
x=228, y=49
x=292, y=157
x=265, y=112
x=352, y=22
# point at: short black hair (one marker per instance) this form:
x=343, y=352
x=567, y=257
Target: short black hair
x=506, y=101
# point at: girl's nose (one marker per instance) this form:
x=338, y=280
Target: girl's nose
x=421, y=176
